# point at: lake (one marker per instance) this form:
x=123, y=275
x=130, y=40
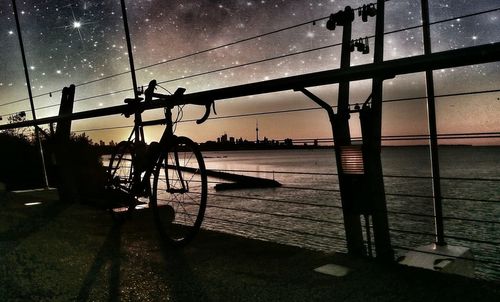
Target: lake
x=306, y=211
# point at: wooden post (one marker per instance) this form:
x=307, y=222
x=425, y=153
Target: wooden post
x=65, y=172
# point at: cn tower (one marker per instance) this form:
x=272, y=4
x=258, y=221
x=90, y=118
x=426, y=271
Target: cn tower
x=257, y=130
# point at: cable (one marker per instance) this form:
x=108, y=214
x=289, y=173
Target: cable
x=277, y=229
x=203, y=73
x=189, y=55
x=255, y=37
x=181, y=57
x=275, y=200
x=275, y=214
x=250, y=63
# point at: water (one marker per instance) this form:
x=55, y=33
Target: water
x=306, y=211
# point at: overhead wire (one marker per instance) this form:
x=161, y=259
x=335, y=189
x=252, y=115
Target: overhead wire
x=255, y=62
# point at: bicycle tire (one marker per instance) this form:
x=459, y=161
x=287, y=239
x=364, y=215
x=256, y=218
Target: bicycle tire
x=179, y=194
x=120, y=181
x=120, y=167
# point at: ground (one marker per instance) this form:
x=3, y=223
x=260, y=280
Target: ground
x=58, y=251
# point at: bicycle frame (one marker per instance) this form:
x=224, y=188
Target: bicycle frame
x=167, y=140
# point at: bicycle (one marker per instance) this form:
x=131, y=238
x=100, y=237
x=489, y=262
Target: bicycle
x=178, y=194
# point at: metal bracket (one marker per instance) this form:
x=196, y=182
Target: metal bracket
x=317, y=100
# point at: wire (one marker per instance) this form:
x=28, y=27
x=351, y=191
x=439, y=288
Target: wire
x=275, y=200
x=189, y=55
x=203, y=73
x=181, y=57
x=164, y=88
x=275, y=214
x=277, y=229
x=251, y=38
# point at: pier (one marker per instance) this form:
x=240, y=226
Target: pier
x=349, y=228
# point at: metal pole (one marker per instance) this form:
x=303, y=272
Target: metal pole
x=129, y=48
x=371, y=128
x=30, y=94
x=431, y=113
x=139, y=132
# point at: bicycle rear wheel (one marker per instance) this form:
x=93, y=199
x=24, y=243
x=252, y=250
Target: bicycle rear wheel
x=179, y=192
x=120, y=168
x=120, y=181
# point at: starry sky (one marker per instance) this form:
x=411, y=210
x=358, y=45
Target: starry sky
x=83, y=43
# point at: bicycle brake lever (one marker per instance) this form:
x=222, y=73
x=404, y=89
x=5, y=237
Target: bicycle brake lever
x=206, y=115
x=213, y=107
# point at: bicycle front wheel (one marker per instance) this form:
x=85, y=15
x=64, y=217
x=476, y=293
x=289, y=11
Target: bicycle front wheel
x=179, y=192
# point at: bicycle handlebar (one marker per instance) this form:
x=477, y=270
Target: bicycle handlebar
x=176, y=99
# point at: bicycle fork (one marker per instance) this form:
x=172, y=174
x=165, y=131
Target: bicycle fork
x=184, y=186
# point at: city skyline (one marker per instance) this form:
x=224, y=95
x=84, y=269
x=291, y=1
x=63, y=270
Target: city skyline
x=80, y=42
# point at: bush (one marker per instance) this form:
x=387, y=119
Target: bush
x=85, y=171
x=21, y=166
x=20, y=163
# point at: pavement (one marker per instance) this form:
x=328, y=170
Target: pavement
x=56, y=251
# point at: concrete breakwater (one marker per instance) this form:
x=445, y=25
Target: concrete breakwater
x=241, y=181
x=238, y=181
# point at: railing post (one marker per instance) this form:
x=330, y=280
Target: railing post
x=431, y=114
x=342, y=137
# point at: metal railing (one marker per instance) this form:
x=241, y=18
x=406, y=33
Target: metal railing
x=484, y=245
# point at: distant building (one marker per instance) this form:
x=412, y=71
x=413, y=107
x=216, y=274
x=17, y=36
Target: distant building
x=223, y=139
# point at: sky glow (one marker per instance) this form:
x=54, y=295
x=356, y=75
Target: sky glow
x=77, y=42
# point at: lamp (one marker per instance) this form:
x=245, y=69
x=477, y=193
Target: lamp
x=359, y=45
x=366, y=48
x=351, y=159
x=371, y=10
x=330, y=24
x=340, y=18
x=364, y=13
